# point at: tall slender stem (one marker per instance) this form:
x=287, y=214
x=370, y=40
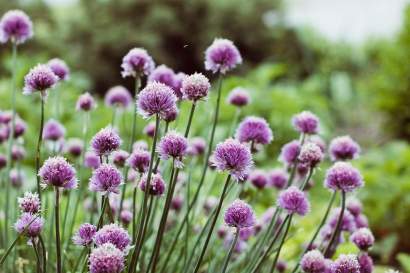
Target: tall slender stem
x=191, y=115
x=40, y=138
x=44, y=253
x=103, y=206
x=37, y=257
x=336, y=232
x=275, y=260
x=228, y=257
x=57, y=221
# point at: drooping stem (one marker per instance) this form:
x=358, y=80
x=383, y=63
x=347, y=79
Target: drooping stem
x=228, y=257
x=57, y=221
x=336, y=232
x=39, y=141
x=275, y=260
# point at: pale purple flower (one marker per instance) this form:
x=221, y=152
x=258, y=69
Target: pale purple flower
x=84, y=236
x=294, y=200
x=85, y=102
x=361, y=221
x=343, y=148
x=173, y=145
x=74, y=147
x=363, y=238
x=16, y=178
x=157, y=184
x=60, y=68
x=348, y=223
x=106, y=179
x=39, y=78
x=119, y=158
x=6, y=116
x=18, y=153
x=56, y=171
x=259, y=178
x=310, y=154
x=365, y=262
x=177, y=202
x=136, y=63
x=177, y=87
x=113, y=234
x=281, y=266
x=195, y=87
x=222, y=56
x=92, y=160
x=53, y=130
x=254, y=130
x=346, y=264
x=156, y=99
x=239, y=214
x=290, y=152
x=19, y=128
x=162, y=74
x=318, y=141
x=106, y=259
x=140, y=145
x=210, y=203
x=34, y=224
x=118, y=96
x=15, y=26
x=149, y=129
x=126, y=217
x=246, y=233
x=239, y=97
x=3, y=161
x=306, y=123
x=105, y=141
x=343, y=176
x=313, y=262
x=171, y=115
x=30, y=203
x=354, y=206
x=278, y=178
x=139, y=160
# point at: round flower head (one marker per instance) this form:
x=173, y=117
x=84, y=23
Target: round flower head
x=19, y=128
x=113, y=234
x=278, y=178
x=313, y=262
x=16, y=178
x=197, y=146
x=254, y=129
x=118, y=96
x=343, y=176
x=15, y=26
x=139, y=160
x=53, y=130
x=156, y=99
x=75, y=147
x=105, y=141
x=106, y=259
x=209, y=204
x=239, y=97
x=239, y=214
x=119, y=158
x=157, y=184
x=195, y=87
x=363, y=238
x=178, y=79
x=85, y=235
x=306, y=123
x=354, y=206
x=149, y=129
x=91, y=160
x=6, y=117
x=290, y=152
x=30, y=223
x=233, y=157
x=281, y=266
x=173, y=145
x=177, y=202
x=348, y=223
x=162, y=74
x=126, y=217
x=318, y=141
x=18, y=153
x=136, y=63
x=361, y=221
x=40, y=78
x=246, y=233
x=56, y=171
x=259, y=179
x=310, y=154
x=60, y=68
x=343, y=148
x=171, y=115
x=30, y=203
x=222, y=56
x=346, y=264
x=294, y=200
x=3, y=161
x=106, y=179
x=140, y=145
x=365, y=262
x=85, y=102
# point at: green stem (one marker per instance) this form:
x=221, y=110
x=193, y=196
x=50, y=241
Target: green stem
x=159, y=158
x=79, y=259
x=336, y=232
x=191, y=114
x=57, y=221
x=134, y=218
x=228, y=257
x=103, y=207
x=235, y=121
x=39, y=141
x=37, y=257
x=44, y=253
x=275, y=260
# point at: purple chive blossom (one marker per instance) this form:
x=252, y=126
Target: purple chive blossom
x=363, y=238
x=3, y=161
x=259, y=179
x=149, y=129
x=281, y=266
x=106, y=259
x=195, y=87
x=246, y=233
x=365, y=262
x=106, y=179
x=140, y=145
x=343, y=176
x=105, y=141
x=171, y=115
x=39, y=78
x=5, y=117
x=18, y=153
x=91, y=160
x=33, y=222
x=354, y=206
x=197, y=146
x=156, y=99
x=118, y=96
x=313, y=262
x=126, y=217
x=343, y=148
x=30, y=203
x=173, y=145
x=294, y=200
x=290, y=152
x=136, y=63
x=255, y=130
x=16, y=178
x=239, y=214
x=278, y=178
x=119, y=158
x=318, y=141
x=74, y=147
x=53, y=130
x=361, y=221
x=56, y=171
x=85, y=102
x=177, y=202
x=210, y=203
x=222, y=56
x=348, y=223
x=177, y=87
x=60, y=68
x=306, y=123
x=310, y=155
x=85, y=235
x=19, y=128
x=162, y=74
x=157, y=185
x=15, y=26
x=238, y=97
x=113, y=234
x=139, y=160
x=233, y=157
x=346, y=264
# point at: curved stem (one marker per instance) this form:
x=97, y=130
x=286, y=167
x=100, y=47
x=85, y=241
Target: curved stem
x=281, y=245
x=57, y=221
x=336, y=232
x=228, y=257
x=40, y=138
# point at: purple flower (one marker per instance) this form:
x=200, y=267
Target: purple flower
x=85, y=235
x=306, y=123
x=278, y=178
x=209, y=204
x=313, y=262
x=119, y=158
x=139, y=160
x=91, y=160
x=136, y=63
x=238, y=97
x=140, y=145
x=156, y=99
x=105, y=141
x=281, y=266
x=40, y=78
x=239, y=214
x=246, y=233
x=18, y=153
x=113, y=234
x=106, y=259
x=74, y=147
x=118, y=96
x=126, y=217
x=173, y=145
x=343, y=148
x=30, y=203
x=16, y=178
x=85, y=102
x=3, y=161
x=310, y=154
x=177, y=202
x=162, y=74
x=195, y=87
x=254, y=129
x=222, y=56
x=56, y=171
x=343, y=176
x=15, y=26
x=363, y=238
x=346, y=264
x=318, y=141
x=197, y=146
x=348, y=223
x=106, y=179
x=233, y=157
x=290, y=152
x=33, y=223
x=365, y=262
x=294, y=200
x=354, y=206
x=178, y=78
x=171, y=115
x=149, y=129
x=259, y=179
x=19, y=128
x=60, y=68
x=53, y=130
x=361, y=221
x=157, y=184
